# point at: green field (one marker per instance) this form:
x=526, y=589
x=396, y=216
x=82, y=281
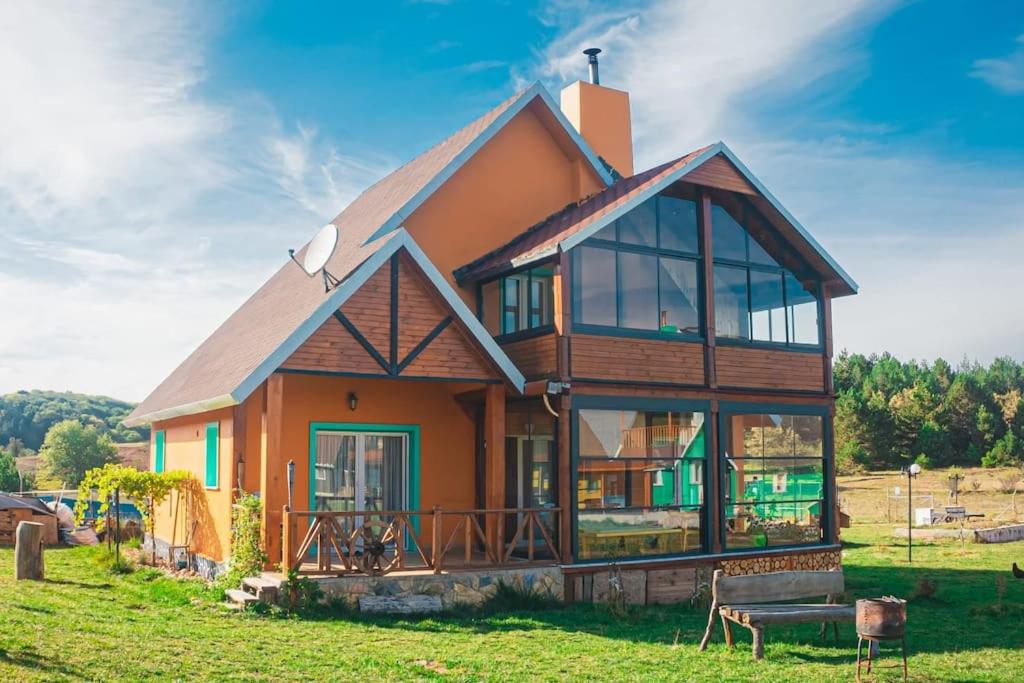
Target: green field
x=84, y=623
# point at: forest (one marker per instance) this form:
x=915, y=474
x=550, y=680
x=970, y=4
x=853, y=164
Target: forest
x=890, y=413
x=27, y=415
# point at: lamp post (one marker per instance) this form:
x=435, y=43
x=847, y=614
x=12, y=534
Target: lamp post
x=911, y=472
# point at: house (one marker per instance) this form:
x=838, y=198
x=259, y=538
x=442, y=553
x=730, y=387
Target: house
x=528, y=354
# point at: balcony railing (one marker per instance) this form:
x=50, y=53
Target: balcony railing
x=374, y=543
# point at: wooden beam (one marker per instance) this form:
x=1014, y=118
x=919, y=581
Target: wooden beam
x=494, y=464
x=563, y=316
x=273, y=473
x=708, y=283
x=565, y=501
x=713, y=495
x=236, y=468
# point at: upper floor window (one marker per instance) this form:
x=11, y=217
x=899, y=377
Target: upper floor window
x=641, y=271
x=514, y=303
x=756, y=299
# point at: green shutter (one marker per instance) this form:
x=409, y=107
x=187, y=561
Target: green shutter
x=212, y=453
x=158, y=466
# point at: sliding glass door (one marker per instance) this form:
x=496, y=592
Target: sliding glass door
x=361, y=471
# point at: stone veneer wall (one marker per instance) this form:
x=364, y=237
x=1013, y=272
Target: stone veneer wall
x=204, y=566
x=455, y=588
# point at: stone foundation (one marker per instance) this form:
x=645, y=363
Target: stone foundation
x=457, y=588
x=204, y=566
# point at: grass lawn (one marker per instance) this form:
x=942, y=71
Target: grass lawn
x=86, y=623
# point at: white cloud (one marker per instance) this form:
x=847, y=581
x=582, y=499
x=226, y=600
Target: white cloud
x=930, y=238
x=1005, y=74
x=136, y=213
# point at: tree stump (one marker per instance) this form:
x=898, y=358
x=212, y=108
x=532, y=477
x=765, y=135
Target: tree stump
x=28, y=552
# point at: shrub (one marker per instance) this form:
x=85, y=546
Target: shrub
x=975, y=485
x=509, y=597
x=247, y=556
x=1008, y=482
x=1006, y=452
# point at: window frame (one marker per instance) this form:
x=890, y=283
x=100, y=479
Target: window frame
x=731, y=408
x=781, y=271
x=617, y=246
x=527, y=332
x=592, y=402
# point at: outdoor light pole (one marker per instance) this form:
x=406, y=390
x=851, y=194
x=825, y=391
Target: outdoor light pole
x=911, y=472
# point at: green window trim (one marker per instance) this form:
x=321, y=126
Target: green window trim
x=159, y=448
x=212, y=469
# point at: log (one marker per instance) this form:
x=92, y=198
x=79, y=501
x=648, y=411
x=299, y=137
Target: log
x=799, y=616
x=28, y=552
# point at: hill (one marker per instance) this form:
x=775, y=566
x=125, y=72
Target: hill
x=27, y=415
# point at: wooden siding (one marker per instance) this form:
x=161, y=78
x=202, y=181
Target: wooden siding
x=737, y=366
x=369, y=309
x=452, y=354
x=719, y=172
x=636, y=360
x=332, y=349
x=536, y=356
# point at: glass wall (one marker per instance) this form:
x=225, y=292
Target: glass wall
x=640, y=483
x=518, y=302
x=641, y=272
x=756, y=299
x=774, y=487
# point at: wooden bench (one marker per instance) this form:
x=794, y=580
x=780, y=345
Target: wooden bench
x=757, y=600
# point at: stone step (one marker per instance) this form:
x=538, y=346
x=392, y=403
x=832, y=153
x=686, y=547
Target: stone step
x=263, y=588
x=240, y=598
x=410, y=604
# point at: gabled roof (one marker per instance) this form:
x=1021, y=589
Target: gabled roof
x=574, y=224
x=239, y=355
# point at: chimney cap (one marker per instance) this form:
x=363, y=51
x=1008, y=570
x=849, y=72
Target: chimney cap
x=592, y=53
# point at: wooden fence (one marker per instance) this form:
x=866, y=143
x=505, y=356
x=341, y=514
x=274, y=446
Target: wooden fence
x=365, y=542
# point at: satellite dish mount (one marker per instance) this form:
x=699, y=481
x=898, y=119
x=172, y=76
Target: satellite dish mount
x=318, y=252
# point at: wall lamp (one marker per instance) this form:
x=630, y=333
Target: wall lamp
x=353, y=401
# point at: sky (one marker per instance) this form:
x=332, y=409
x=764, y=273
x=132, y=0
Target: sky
x=158, y=160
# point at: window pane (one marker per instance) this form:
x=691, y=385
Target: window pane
x=595, y=274
x=731, y=315
x=638, y=293
x=606, y=233
x=759, y=525
x=635, y=532
x=640, y=434
x=677, y=224
x=638, y=225
x=512, y=305
x=803, y=312
x=490, y=307
x=767, y=308
x=759, y=255
x=679, y=296
x=541, y=292
x=728, y=238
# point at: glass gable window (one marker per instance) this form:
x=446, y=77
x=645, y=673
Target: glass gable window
x=773, y=466
x=756, y=299
x=641, y=272
x=519, y=302
x=640, y=483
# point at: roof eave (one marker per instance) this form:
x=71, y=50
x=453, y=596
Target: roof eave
x=204, y=406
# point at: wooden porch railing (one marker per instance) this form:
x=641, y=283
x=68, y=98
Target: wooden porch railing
x=376, y=543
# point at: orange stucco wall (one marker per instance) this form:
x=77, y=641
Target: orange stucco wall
x=185, y=449
x=516, y=179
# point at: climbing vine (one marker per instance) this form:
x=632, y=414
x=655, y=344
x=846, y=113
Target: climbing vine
x=247, y=556
x=146, y=489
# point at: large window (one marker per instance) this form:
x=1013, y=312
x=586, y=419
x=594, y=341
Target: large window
x=519, y=302
x=641, y=272
x=773, y=466
x=756, y=299
x=640, y=483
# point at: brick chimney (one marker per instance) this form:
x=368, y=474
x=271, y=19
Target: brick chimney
x=601, y=115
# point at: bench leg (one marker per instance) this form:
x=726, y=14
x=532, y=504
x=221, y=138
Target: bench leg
x=710, y=629
x=758, y=641
x=835, y=630
x=727, y=627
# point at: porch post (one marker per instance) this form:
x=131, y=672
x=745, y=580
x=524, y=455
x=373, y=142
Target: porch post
x=273, y=488
x=494, y=464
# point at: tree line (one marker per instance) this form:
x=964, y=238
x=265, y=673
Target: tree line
x=890, y=413
x=28, y=415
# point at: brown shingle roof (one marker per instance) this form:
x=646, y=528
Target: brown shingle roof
x=206, y=379
x=544, y=236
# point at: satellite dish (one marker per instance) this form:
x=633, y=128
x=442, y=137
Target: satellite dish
x=318, y=253
x=320, y=249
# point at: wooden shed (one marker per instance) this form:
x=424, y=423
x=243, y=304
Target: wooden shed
x=15, y=509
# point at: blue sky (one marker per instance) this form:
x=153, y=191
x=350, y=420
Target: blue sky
x=161, y=158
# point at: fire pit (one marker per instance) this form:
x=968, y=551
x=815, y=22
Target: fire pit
x=881, y=619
